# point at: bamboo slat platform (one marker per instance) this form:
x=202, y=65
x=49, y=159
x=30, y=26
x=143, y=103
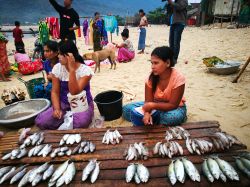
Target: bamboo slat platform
x=113, y=164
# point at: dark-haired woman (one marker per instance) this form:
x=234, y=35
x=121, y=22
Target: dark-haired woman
x=72, y=76
x=126, y=50
x=164, y=90
x=142, y=26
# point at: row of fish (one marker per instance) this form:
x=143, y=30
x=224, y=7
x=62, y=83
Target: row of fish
x=243, y=163
x=112, y=137
x=83, y=147
x=176, y=133
x=40, y=150
x=34, y=139
x=92, y=170
x=178, y=169
x=70, y=139
x=15, y=154
x=222, y=140
x=137, y=172
x=135, y=151
x=198, y=146
x=168, y=149
x=216, y=168
x=33, y=176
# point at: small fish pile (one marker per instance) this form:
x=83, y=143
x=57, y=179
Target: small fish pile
x=243, y=163
x=40, y=150
x=34, y=139
x=112, y=137
x=216, y=168
x=70, y=139
x=198, y=146
x=168, y=149
x=64, y=174
x=92, y=169
x=178, y=169
x=222, y=140
x=10, y=173
x=61, y=151
x=136, y=151
x=176, y=133
x=15, y=154
x=138, y=172
x=24, y=134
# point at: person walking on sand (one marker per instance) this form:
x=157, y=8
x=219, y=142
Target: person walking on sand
x=142, y=29
x=69, y=20
x=18, y=35
x=177, y=24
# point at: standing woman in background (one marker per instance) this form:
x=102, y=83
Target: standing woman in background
x=143, y=24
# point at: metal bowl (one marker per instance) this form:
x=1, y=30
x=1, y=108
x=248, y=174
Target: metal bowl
x=22, y=113
x=228, y=68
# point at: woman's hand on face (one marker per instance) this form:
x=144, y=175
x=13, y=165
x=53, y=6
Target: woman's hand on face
x=57, y=113
x=71, y=61
x=148, y=107
x=147, y=119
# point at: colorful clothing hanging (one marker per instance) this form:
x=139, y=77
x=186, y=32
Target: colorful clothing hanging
x=43, y=32
x=111, y=24
x=54, y=28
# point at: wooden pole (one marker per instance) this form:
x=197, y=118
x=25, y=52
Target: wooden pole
x=241, y=71
x=232, y=12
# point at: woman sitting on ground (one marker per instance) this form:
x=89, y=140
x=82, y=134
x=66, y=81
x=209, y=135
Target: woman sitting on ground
x=164, y=101
x=72, y=76
x=126, y=50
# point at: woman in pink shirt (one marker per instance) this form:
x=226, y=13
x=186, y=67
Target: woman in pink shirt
x=164, y=90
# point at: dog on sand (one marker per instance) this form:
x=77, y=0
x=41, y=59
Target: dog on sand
x=99, y=56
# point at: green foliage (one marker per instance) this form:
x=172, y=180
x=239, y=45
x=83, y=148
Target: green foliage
x=157, y=16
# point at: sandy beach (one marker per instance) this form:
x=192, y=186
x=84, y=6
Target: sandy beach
x=209, y=96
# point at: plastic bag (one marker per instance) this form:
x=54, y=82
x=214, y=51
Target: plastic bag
x=68, y=121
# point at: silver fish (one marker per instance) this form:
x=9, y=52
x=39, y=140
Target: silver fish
x=171, y=173
x=91, y=147
x=31, y=152
x=62, y=142
x=156, y=148
x=206, y=171
x=95, y=173
x=42, y=168
x=214, y=168
x=241, y=166
x=69, y=152
x=245, y=162
x=191, y=170
x=61, y=154
x=179, y=171
x=48, y=172
x=223, y=177
x=137, y=179
x=64, y=149
x=179, y=148
x=188, y=145
x=78, y=138
x=138, y=148
x=65, y=137
x=76, y=149
x=80, y=150
x=35, y=138
x=105, y=137
x=18, y=176
x=22, y=153
x=38, y=149
x=45, y=151
x=15, y=152
x=70, y=173
x=37, y=179
x=41, y=138
x=23, y=134
x=54, y=153
x=130, y=172
x=4, y=170
x=143, y=173
x=6, y=156
x=25, y=179
x=88, y=169
x=83, y=144
x=59, y=171
x=60, y=181
x=86, y=148
x=8, y=175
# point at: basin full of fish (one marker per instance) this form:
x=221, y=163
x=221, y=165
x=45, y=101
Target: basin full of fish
x=112, y=137
x=91, y=171
x=70, y=139
x=179, y=168
x=32, y=140
x=176, y=133
x=199, y=146
x=168, y=149
x=135, y=151
x=15, y=154
x=137, y=172
x=215, y=168
x=243, y=163
x=64, y=174
x=222, y=140
x=23, y=177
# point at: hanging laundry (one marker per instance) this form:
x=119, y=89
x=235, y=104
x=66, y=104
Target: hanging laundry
x=91, y=32
x=111, y=24
x=86, y=31
x=54, y=28
x=78, y=32
x=43, y=32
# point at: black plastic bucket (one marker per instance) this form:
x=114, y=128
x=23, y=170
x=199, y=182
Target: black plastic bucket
x=109, y=104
